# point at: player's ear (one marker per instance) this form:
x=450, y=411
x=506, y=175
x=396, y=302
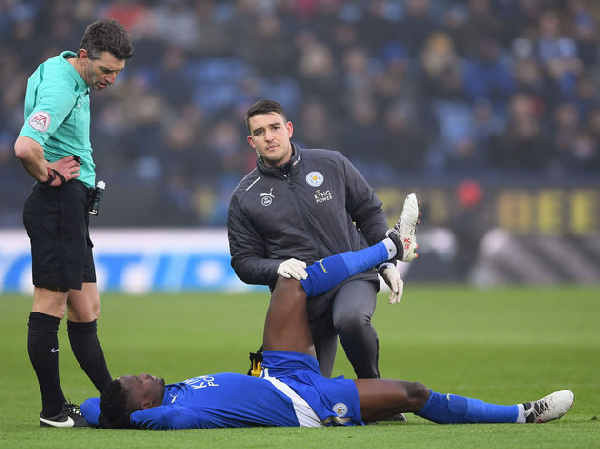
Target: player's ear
x=290, y=129
x=150, y=402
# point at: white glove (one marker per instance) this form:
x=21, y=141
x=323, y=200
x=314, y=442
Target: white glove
x=391, y=276
x=292, y=268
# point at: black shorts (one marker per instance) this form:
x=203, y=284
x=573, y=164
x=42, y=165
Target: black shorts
x=57, y=223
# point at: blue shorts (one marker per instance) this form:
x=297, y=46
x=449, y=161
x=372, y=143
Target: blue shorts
x=335, y=401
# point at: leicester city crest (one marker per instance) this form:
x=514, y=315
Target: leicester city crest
x=340, y=409
x=314, y=179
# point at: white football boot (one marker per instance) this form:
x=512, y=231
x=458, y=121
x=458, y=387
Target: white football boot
x=403, y=234
x=549, y=408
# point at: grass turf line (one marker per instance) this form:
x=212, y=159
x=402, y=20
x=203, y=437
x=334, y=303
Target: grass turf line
x=504, y=346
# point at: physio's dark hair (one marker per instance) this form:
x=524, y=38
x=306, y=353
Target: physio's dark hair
x=113, y=407
x=107, y=35
x=264, y=107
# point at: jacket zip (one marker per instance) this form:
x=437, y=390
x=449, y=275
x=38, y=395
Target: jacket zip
x=307, y=224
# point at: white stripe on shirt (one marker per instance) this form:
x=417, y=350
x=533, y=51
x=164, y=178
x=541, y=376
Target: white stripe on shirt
x=305, y=414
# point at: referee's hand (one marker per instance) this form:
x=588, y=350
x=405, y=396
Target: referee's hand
x=63, y=170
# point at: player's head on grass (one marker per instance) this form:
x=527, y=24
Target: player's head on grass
x=128, y=394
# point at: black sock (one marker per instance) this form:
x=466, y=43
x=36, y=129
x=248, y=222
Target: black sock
x=42, y=346
x=87, y=350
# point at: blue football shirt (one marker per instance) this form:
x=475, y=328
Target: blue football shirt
x=219, y=401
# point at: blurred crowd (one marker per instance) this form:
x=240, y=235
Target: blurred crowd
x=401, y=87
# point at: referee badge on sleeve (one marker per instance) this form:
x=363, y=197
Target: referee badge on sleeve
x=40, y=121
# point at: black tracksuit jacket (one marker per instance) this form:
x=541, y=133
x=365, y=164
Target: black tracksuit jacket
x=305, y=209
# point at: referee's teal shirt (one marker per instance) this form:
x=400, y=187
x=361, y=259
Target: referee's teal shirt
x=57, y=114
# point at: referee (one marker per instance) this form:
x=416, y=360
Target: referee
x=54, y=148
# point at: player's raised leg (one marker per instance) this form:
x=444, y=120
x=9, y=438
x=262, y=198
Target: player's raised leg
x=400, y=244
x=286, y=324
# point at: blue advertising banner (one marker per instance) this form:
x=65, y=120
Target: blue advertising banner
x=138, y=261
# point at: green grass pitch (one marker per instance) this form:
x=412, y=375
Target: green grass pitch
x=504, y=346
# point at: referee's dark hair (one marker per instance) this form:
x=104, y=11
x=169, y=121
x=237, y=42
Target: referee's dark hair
x=107, y=35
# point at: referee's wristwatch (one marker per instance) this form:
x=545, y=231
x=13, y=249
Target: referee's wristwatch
x=52, y=174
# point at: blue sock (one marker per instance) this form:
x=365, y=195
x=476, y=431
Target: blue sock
x=326, y=273
x=452, y=409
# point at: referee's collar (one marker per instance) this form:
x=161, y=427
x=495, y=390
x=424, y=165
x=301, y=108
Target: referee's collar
x=72, y=70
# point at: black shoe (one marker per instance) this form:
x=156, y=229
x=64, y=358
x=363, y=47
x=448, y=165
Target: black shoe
x=399, y=417
x=70, y=416
x=395, y=418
